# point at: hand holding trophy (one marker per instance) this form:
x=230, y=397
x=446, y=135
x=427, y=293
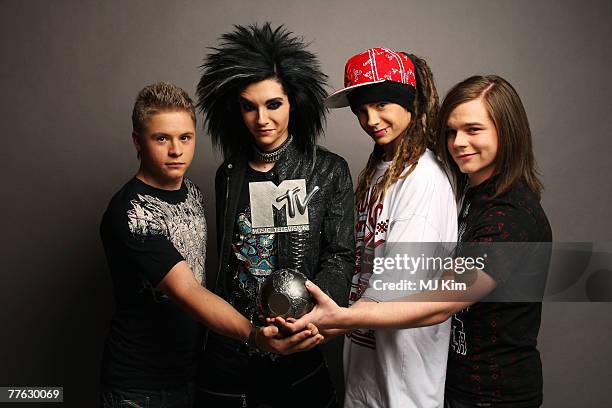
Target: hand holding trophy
x=284, y=294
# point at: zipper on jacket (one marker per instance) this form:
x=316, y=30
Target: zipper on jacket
x=221, y=253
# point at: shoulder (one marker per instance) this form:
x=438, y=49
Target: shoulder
x=122, y=198
x=426, y=192
x=516, y=216
x=430, y=170
x=327, y=154
x=232, y=164
x=223, y=171
x=190, y=185
x=427, y=178
x=327, y=158
x=115, y=215
x=223, y=168
x=192, y=189
x=518, y=202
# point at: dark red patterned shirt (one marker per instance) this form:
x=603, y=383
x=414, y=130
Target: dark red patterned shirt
x=493, y=359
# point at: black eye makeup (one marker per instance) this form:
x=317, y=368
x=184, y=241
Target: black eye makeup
x=246, y=105
x=274, y=104
x=271, y=104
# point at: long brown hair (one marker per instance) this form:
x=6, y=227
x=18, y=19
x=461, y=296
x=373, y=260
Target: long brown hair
x=418, y=136
x=514, y=160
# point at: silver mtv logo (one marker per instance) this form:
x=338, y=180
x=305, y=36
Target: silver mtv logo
x=290, y=194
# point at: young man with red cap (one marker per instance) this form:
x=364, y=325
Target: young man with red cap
x=404, y=203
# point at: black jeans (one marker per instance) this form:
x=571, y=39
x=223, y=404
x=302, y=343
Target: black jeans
x=179, y=397
x=229, y=377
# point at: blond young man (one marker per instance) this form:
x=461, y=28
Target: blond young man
x=154, y=235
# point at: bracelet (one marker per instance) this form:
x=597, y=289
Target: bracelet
x=251, y=342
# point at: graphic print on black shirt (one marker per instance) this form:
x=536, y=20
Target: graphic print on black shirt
x=256, y=259
x=254, y=254
x=493, y=359
x=152, y=342
x=182, y=224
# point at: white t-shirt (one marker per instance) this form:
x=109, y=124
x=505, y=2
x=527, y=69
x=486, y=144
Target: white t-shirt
x=399, y=368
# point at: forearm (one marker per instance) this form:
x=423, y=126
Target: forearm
x=424, y=308
x=418, y=310
x=180, y=285
x=396, y=315
x=330, y=334
x=215, y=313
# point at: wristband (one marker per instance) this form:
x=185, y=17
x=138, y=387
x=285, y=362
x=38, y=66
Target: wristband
x=251, y=342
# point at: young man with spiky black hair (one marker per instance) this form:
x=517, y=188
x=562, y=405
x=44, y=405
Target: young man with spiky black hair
x=282, y=203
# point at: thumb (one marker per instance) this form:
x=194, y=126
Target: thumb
x=315, y=291
x=269, y=331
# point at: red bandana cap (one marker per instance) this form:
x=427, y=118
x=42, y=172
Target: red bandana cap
x=373, y=66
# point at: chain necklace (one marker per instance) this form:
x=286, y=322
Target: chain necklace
x=271, y=157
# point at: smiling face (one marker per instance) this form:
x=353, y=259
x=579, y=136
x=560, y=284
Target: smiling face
x=166, y=147
x=386, y=123
x=265, y=111
x=472, y=140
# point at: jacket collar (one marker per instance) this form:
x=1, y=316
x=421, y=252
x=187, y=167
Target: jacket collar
x=288, y=161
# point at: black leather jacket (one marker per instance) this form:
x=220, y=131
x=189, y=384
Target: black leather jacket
x=330, y=251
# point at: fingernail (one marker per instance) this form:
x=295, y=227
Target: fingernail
x=307, y=284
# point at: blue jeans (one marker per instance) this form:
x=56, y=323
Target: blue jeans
x=180, y=397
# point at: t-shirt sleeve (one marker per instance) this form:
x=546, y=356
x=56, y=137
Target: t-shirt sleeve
x=146, y=245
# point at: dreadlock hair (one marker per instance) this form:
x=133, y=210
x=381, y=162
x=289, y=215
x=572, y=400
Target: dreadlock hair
x=252, y=54
x=514, y=160
x=417, y=138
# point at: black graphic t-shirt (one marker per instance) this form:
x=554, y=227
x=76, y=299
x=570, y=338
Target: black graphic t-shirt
x=152, y=343
x=493, y=360
x=254, y=254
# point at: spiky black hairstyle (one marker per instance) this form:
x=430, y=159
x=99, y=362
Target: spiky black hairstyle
x=252, y=54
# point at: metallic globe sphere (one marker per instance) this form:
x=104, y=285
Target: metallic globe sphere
x=284, y=294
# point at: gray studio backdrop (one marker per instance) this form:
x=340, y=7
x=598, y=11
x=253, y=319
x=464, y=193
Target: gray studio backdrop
x=71, y=69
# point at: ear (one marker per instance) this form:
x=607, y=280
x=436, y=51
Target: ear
x=410, y=116
x=136, y=141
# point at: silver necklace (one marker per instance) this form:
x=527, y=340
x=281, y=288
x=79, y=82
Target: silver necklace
x=271, y=157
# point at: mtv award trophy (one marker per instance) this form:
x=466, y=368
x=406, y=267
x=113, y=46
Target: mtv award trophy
x=283, y=293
